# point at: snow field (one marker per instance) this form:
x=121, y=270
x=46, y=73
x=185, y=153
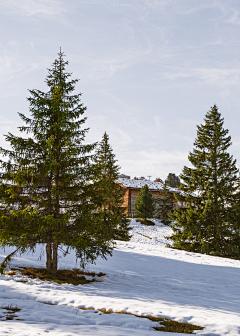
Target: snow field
x=143, y=277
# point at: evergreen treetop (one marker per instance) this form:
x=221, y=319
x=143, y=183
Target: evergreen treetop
x=209, y=222
x=145, y=204
x=164, y=204
x=173, y=180
x=108, y=192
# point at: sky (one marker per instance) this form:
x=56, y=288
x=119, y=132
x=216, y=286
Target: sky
x=149, y=71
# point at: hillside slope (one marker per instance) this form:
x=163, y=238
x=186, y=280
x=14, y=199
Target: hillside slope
x=142, y=277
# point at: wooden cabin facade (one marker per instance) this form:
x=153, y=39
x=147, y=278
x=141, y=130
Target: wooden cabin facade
x=132, y=189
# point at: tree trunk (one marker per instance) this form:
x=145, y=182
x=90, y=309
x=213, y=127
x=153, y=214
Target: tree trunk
x=55, y=258
x=49, y=257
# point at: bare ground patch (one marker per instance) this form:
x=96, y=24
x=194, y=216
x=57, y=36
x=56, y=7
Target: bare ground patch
x=75, y=276
x=166, y=324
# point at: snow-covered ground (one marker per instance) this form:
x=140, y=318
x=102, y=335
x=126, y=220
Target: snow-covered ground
x=142, y=277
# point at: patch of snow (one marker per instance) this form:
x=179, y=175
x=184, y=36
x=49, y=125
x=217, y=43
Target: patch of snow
x=143, y=277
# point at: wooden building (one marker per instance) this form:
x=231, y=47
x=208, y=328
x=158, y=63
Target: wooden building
x=133, y=187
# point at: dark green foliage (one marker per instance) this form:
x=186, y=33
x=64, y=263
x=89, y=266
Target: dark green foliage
x=210, y=222
x=173, y=180
x=164, y=204
x=109, y=194
x=145, y=204
x=47, y=190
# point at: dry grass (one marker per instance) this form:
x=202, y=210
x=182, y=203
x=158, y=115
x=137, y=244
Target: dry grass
x=10, y=273
x=147, y=222
x=75, y=277
x=144, y=235
x=47, y=303
x=11, y=310
x=167, y=325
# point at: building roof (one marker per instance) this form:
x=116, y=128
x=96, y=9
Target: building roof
x=138, y=184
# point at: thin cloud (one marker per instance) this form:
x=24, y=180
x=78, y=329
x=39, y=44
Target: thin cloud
x=12, y=63
x=218, y=76
x=229, y=10
x=106, y=66
x=31, y=8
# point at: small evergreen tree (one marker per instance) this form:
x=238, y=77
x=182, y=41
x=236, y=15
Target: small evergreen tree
x=109, y=193
x=47, y=189
x=210, y=222
x=173, y=180
x=144, y=204
x=164, y=204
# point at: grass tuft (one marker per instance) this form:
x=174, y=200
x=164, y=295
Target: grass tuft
x=11, y=309
x=75, y=277
x=144, y=235
x=167, y=325
x=147, y=222
x=10, y=273
x=47, y=303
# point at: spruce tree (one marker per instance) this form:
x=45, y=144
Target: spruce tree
x=109, y=193
x=210, y=222
x=46, y=191
x=173, y=180
x=164, y=204
x=145, y=204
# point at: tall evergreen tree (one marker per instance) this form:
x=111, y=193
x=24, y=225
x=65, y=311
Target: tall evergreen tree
x=210, y=222
x=173, y=180
x=46, y=189
x=164, y=204
x=145, y=204
x=109, y=194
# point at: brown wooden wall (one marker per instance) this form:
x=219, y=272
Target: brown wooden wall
x=130, y=199
x=126, y=200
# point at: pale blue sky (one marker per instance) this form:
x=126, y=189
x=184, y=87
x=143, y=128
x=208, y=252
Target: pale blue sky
x=149, y=70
